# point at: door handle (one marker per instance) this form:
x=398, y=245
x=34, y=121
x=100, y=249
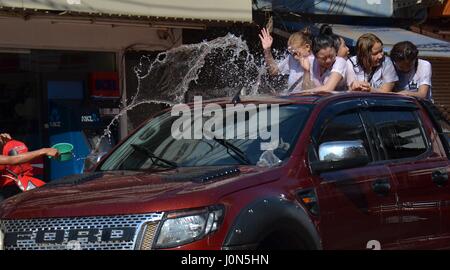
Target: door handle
x=381, y=186
x=440, y=177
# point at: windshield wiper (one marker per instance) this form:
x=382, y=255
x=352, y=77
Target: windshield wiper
x=229, y=146
x=152, y=156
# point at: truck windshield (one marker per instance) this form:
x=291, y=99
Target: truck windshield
x=154, y=146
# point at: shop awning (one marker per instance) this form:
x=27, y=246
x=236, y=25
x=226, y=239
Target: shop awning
x=205, y=10
x=428, y=47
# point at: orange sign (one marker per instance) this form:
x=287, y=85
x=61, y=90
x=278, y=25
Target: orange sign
x=447, y=9
x=440, y=10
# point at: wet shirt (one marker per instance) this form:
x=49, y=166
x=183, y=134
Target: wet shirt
x=291, y=66
x=339, y=66
x=415, y=78
x=385, y=73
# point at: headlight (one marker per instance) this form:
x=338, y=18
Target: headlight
x=181, y=228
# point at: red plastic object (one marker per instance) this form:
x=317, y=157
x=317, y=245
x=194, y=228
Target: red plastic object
x=104, y=84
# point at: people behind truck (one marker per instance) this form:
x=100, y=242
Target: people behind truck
x=316, y=64
x=370, y=70
x=299, y=48
x=327, y=70
x=414, y=73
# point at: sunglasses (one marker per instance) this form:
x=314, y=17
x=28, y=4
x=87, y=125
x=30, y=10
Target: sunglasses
x=293, y=52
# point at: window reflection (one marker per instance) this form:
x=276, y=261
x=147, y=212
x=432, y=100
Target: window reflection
x=156, y=137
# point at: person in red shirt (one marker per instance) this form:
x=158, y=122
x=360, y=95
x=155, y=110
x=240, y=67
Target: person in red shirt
x=14, y=161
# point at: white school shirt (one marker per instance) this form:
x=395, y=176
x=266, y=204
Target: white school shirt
x=339, y=66
x=385, y=73
x=412, y=80
x=291, y=66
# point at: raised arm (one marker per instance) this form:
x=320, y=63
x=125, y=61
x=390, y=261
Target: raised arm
x=266, y=42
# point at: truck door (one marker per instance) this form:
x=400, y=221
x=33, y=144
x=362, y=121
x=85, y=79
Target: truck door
x=438, y=125
x=408, y=151
x=354, y=202
x=445, y=189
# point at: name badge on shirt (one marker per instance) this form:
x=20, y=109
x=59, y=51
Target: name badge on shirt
x=412, y=85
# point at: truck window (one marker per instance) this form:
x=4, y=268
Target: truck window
x=441, y=122
x=344, y=127
x=400, y=133
x=155, y=139
x=445, y=125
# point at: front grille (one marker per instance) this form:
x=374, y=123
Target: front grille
x=90, y=233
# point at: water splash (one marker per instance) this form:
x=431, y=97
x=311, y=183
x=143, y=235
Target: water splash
x=212, y=69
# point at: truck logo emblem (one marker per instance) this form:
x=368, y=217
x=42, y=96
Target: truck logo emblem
x=73, y=239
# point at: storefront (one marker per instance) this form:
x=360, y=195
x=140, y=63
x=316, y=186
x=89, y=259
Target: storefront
x=50, y=96
x=63, y=72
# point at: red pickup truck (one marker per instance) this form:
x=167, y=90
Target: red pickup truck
x=351, y=171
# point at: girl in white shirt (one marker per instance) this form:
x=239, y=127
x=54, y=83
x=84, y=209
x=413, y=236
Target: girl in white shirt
x=299, y=47
x=370, y=70
x=414, y=73
x=326, y=71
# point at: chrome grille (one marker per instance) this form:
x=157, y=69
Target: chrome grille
x=26, y=232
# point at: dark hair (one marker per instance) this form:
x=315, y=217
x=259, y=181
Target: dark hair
x=405, y=50
x=326, y=29
x=325, y=39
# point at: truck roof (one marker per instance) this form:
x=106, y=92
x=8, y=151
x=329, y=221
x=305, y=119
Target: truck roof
x=304, y=98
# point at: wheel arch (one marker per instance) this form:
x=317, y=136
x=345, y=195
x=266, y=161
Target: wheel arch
x=262, y=217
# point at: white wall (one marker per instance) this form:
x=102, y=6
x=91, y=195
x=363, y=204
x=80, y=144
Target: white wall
x=47, y=34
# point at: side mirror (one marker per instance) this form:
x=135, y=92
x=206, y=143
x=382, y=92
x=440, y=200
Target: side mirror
x=91, y=160
x=340, y=155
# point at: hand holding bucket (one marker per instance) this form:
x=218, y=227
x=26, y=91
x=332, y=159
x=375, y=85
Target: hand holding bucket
x=65, y=151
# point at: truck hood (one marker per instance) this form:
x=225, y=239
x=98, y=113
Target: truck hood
x=128, y=192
